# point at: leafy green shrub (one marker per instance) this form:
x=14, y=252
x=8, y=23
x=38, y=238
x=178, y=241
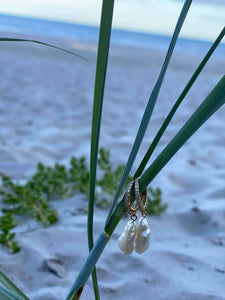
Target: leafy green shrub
x=154, y=203
x=33, y=198
x=79, y=175
x=28, y=199
x=108, y=183
x=7, y=222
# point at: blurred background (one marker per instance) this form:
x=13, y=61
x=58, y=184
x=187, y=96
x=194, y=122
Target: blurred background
x=204, y=22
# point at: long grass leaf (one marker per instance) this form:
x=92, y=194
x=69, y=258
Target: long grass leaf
x=11, y=286
x=76, y=290
x=3, y=39
x=101, y=67
x=214, y=101
x=6, y=294
x=150, y=106
x=177, y=104
x=208, y=107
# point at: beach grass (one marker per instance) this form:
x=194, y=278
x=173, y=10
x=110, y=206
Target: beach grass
x=211, y=103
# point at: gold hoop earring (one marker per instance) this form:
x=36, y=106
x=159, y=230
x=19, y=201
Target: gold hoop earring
x=130, y=210
x=127, y=238
x=142, y=241
x=141, y=198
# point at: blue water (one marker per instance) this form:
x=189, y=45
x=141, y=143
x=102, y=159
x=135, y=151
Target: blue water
x=85, y=33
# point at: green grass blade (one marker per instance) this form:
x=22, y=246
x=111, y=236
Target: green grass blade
x=101, y=67
x=11, y=286
x=6, y=294
x=214, y=101
x=76, y=290
x=177, y=104
x=208, y=107
x=150, y=106
x=3, y=39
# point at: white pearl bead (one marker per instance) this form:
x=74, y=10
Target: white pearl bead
x=143, y=236
x=127, y=237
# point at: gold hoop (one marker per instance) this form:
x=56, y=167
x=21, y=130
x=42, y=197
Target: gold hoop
x=130, y=210
x=140, y=198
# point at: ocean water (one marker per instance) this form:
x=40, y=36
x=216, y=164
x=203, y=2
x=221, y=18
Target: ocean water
x=18, y=24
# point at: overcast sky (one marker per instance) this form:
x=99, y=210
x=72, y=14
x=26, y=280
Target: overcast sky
x=157, y=16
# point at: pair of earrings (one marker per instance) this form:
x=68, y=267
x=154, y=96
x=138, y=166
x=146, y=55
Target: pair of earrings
x=133, y=236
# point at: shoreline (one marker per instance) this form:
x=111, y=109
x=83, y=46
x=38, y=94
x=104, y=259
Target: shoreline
x=201, y=14
x=51, y=29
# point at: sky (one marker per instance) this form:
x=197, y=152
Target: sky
x=205, y=19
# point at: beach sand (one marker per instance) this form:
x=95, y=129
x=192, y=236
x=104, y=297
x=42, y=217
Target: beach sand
x=46, y=108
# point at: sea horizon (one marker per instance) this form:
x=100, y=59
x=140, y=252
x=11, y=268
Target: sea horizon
x=204, y=21
x=89, y=33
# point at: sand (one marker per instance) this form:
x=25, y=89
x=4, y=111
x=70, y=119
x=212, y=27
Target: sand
x=46, y=107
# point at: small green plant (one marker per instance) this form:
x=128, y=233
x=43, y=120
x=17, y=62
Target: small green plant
x=7, y=222
x=79, y=175
x=51, y=181
x=26, y=199
x=33, y=198
x=110, y=179
x=154, y=202
x=108, y=183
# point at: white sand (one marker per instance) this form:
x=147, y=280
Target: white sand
x=46, y=107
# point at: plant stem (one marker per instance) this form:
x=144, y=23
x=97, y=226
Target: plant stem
x=101, y=67
x=6, y=39
x=88, y=267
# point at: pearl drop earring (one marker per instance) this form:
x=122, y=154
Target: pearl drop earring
x=133, y=236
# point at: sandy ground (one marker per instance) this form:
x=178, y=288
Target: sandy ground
x=45, y=115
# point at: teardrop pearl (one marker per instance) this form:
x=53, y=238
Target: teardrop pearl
x=127, y=238
x=143, y=236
